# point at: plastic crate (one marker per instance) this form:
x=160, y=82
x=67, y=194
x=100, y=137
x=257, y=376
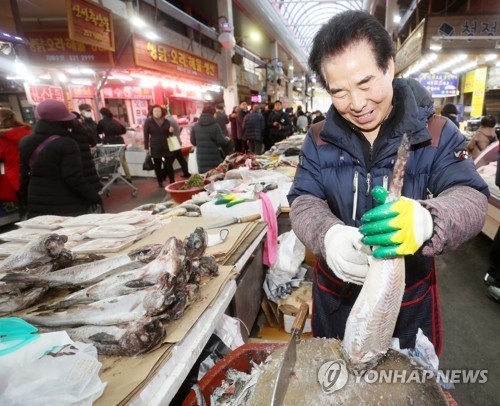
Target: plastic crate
x=238, y=359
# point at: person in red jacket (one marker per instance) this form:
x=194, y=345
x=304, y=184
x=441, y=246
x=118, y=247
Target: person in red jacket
x=11, y=131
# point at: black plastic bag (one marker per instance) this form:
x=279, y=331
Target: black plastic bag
x=148, y=164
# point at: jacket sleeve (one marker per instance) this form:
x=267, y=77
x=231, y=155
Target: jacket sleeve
x=146, y=135
x=192, y=136
x=311, y=218
x=72, y=173
x=307, y=180
x=458, y=214
x=460, y=203
x=219, y=137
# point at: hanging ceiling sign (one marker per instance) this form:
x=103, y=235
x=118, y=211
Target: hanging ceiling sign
x=56, y=47
x=440, y=84
x=37, y=93
x=473, y=29
x=81, y=91
x=164, y=58
x=411, y=49
x=91, y=24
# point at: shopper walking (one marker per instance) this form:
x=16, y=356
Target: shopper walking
x=239, y=141
x=52, y=178
x=207, y=137
x=279, y=124
x=175, y=147
x=483, y=136
x=354, y=150
x=88, y=121
x=156, y=130
x=11, y=132
x=113, y=131
x=253, y=128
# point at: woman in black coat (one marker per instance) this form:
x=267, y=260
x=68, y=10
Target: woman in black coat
x=157, y=129
x=113, y=131
x=207, y=137
x=52, y=179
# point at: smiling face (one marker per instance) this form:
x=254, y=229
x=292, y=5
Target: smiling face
x=361, y=92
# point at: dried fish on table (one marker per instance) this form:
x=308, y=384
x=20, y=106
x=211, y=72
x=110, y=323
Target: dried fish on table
x=162, y=272
x=112, y=311
x=127, y=339
x=146, y=253
x=196, y=243
x=38, y=252
x=12, y=302
x=75, y=276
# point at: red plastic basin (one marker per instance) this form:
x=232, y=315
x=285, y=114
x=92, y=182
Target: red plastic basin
x=238, y=359
x=181, y=196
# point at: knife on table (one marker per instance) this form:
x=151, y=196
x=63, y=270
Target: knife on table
x=234, y=220
x=286, y=369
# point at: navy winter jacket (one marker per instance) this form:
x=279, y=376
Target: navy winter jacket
x=254, y=126
x=333, y=168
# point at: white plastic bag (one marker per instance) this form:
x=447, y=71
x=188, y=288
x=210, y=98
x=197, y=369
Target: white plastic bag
x=192, y=164
x=280, y=278
x=228, y=330
x=51, y=369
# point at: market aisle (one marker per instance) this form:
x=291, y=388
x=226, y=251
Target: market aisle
x=121, y=199
x=471, y=326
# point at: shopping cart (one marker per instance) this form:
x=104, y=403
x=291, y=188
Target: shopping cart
x=107, y=163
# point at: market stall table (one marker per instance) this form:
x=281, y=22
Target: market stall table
x=171, y=364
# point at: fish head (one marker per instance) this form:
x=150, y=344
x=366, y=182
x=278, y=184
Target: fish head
x=196, y=242
x=53, y=244
x=142, y=336
x=208, y=266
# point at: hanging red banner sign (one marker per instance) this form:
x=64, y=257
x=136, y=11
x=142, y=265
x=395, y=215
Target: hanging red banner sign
x=127, y=92
x=56, y=47
x=91, y=24
x=37, y=93
x=163, y=57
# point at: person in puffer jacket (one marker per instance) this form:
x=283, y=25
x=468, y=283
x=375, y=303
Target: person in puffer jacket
x=11, y=132
x=343, y=158
x=52, y=174
x=207, y=137
x=253, y=128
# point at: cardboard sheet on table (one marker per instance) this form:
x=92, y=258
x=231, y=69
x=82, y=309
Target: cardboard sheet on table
x=181, y=227
x=128, y=375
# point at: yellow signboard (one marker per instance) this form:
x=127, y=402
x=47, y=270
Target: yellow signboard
x=478, y=93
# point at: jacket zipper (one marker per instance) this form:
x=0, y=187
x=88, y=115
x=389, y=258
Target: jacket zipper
x=355, y=191
x=368, y=183
x=385, y=182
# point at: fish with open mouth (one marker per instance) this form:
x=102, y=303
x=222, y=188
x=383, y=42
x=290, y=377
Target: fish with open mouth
x=126, y=339
x=196, y=243
x=38, y=252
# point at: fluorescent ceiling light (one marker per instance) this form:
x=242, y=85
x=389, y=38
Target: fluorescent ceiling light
x=151, y=35
x=137, y=22
x=396, y=19
x=436, y=46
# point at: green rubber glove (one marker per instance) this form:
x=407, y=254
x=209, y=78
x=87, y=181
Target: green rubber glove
x=398, y=228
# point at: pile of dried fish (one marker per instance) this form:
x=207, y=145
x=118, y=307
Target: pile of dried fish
x=118, y=303
x=189, y=208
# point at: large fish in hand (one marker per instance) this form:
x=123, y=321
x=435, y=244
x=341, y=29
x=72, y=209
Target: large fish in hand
x=373, y=317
